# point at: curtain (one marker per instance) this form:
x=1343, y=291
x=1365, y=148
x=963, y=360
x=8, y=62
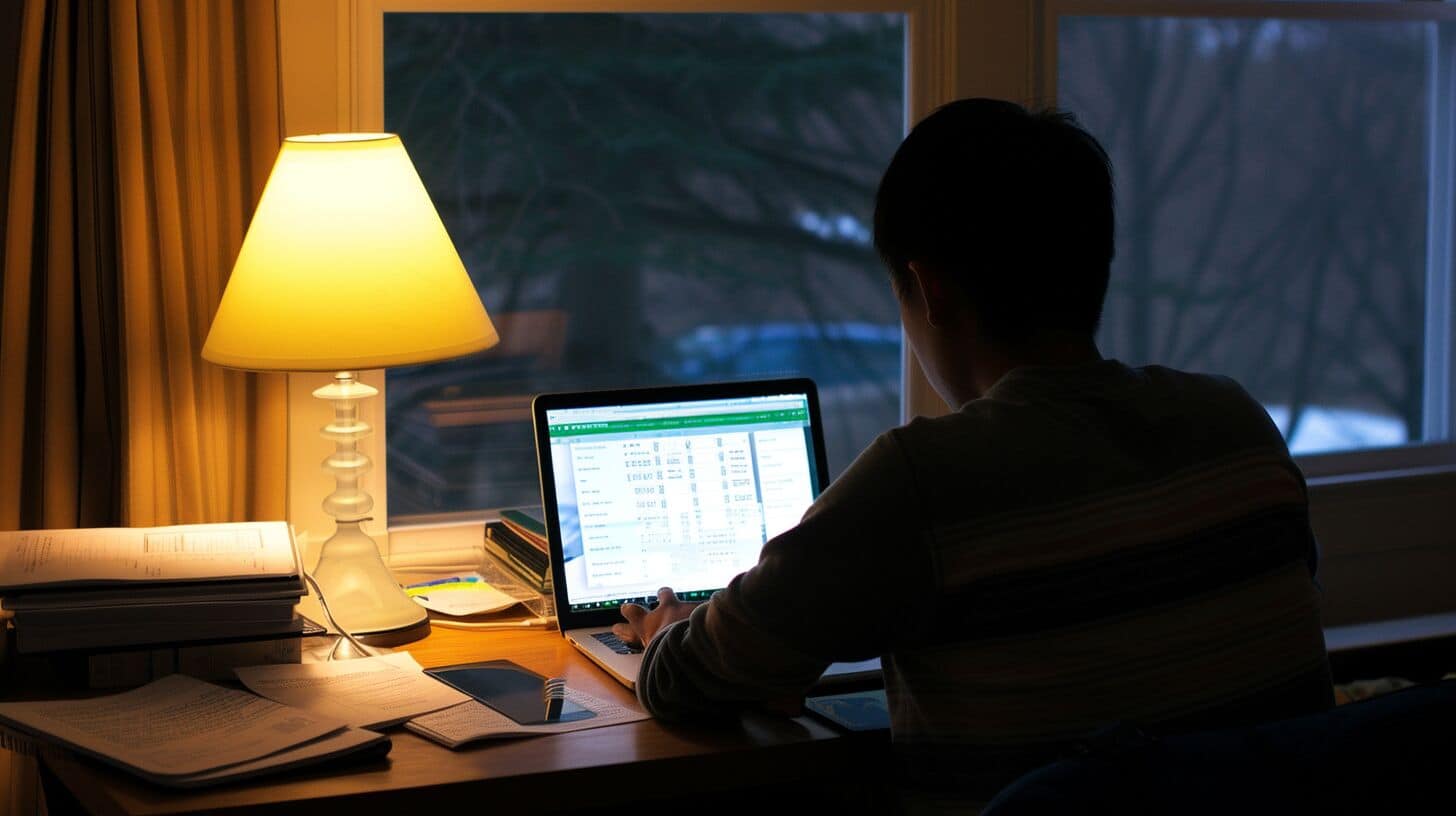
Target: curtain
x=59, y=371
x=198, y=124
x=141, y=136
x=137, y=136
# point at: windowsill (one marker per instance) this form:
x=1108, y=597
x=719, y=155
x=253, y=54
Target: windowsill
x=1391, y=632
x=1421, y=648
x=441, y=546
x=1377, y=476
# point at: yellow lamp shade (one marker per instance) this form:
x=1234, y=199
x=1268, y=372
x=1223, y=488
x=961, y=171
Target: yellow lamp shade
x=346, y=266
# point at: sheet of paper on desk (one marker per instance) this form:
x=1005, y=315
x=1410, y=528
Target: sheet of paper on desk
x=343, y=741
x=173, y=727
x=467, y=594
x=473, y=721
x=371, y=692
x=33, y=558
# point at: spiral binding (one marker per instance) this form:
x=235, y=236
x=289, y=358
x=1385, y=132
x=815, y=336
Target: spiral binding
x=553, y=694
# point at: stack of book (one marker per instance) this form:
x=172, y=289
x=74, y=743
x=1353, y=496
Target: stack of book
x=518, y=542
x=142, y=602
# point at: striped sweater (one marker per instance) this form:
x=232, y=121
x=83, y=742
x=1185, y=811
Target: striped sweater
x=1082, y=546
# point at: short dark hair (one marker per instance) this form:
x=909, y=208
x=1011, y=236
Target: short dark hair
x=1015, y=205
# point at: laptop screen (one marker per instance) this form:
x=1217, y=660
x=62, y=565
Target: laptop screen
x=680, y=494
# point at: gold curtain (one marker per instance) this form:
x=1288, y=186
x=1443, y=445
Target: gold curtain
x=198, y=124
x=139, y=139
x=59, y=358
x=142, y=134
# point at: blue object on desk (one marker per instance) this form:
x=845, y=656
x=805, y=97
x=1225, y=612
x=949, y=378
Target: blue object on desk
x=453, y=579
x=513, y=691
x=856, y=711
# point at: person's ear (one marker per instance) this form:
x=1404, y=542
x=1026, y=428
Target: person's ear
x=932, y=292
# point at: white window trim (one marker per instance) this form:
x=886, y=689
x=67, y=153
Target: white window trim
x=1440, y=226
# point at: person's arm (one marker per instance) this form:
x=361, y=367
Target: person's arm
x=1272, y=436
x=853, y=579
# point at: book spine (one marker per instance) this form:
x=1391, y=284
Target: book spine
x=119, y=669
x=537, y=541
x=534, y=581
x=511, y=536
x=536, y=566
x=533, y=525
x=146, y=614
x=206, y=662
x=508, y=540
x=216, y=662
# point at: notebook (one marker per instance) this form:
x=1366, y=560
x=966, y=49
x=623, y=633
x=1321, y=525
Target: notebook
x=678, y=486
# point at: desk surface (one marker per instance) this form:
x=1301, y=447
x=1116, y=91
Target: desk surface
x=597, y=767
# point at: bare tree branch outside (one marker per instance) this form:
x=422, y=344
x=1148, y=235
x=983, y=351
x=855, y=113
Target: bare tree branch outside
x=644, y=199
x=657, y=198
x=1271, y=182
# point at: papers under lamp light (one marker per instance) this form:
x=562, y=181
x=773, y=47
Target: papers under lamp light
x=347, y=266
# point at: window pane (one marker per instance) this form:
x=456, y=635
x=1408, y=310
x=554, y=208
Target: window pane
x=644, y=199
x=1272, y=181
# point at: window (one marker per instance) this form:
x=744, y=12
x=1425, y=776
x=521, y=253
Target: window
x=1385, y=537
x=1284, y=204
x=644, y=199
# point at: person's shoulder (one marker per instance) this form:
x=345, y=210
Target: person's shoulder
x=1197, y=385
x=897, y=454
x=1192, y=380
x=1215, y=400
x=979, y=422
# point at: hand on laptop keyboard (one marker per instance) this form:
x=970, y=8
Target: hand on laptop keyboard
x=642, y=625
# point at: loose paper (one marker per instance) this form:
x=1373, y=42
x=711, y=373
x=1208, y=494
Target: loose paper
x=472, y=721
x=343, y=741
x=180, y=553
x=174, y=726
x=460, y=595
x=370, y=692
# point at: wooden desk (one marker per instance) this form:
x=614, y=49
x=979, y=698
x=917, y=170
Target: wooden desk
x=603, y=767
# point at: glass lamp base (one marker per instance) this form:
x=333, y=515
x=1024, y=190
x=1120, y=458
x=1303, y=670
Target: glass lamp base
x=361, y=594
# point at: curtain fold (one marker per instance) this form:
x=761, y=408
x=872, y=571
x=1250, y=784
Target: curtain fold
x=60, y=403
x=141, y=134
x=198, y=125
x=135, y=141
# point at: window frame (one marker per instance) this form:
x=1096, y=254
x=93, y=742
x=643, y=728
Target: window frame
x=1383, y=525
x=356, y=30
x=936, y=35
x=1439, y=416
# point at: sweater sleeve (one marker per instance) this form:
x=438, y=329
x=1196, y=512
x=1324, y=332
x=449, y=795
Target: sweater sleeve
x=851, y=579
x=1264, y=429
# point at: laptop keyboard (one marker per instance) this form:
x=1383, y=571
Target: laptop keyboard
x=616, y=644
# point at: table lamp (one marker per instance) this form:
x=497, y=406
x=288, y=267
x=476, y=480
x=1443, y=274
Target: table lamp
x=346, y=266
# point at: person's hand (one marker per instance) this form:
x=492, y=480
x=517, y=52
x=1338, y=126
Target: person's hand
x=642, y=625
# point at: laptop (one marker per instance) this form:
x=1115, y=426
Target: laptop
x=678, y=486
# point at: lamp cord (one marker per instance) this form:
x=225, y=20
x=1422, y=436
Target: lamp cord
x=353, y=641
